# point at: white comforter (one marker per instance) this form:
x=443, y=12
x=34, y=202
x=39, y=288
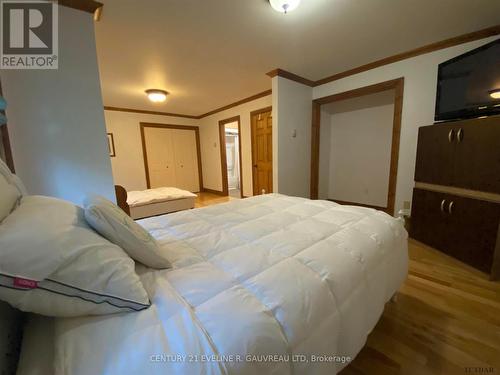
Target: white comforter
x=263, y=285
x=163, y=194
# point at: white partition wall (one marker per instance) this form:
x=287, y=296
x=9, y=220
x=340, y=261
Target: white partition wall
x=292, y=108
x=56, y=118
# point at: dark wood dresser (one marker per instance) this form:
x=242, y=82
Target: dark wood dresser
x=456, y=199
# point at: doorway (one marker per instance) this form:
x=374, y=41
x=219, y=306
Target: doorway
x=262, y=150
x=355, y=145
x=230, y=151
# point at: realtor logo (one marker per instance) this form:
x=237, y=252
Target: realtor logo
x=29, y=35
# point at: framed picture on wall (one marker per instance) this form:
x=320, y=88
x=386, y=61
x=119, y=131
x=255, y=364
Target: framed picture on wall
x=111, y=145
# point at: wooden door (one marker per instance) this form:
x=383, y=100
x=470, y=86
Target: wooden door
x=160, y=157
x=430, y=222
x=477, y=157
x=435, y=154
x=186, y=159
x=262, y=151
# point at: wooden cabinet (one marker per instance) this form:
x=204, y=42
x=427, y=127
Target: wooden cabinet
x=171, y=156
x=464, y=154
x=464, y=228
x=456, y=202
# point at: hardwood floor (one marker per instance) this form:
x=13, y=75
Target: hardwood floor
x=207, y=199
x=446, y=319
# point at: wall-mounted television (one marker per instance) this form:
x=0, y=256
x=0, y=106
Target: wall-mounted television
x=469, y=84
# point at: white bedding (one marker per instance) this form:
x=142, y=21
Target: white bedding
x=163, y=194
x=269, y=275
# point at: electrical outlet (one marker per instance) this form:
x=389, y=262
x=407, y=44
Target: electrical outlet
x=406, y=205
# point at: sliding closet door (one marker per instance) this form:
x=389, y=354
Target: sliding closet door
x=186, y=159
x=160, y=157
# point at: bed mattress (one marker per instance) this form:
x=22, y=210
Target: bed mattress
x=265, y=285
x=157, y=195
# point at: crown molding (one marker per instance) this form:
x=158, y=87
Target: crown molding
x=291, y=76
x=464, y=38
x=146, y=112
x=196, y=117
x=88, y=6
x=239, y=102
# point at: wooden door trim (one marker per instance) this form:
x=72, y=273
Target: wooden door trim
x=223, y=156
x=253, y=113
x=398, y=86
x=196, y=130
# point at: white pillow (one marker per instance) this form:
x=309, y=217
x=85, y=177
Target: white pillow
x=52, y=263
x=9, y=194
x=113, y=223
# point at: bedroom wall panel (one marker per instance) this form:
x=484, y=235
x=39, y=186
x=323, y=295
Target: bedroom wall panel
x=210, y=149
x=56, y=118
x=360, y=148
x=128, y=164
x=292, y=111
x=420, y=75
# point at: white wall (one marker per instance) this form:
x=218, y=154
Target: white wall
x=420, y=74
x=128, y=164
x=360, y=148
x=56, y=118
x=292, y=109
x=210, y=149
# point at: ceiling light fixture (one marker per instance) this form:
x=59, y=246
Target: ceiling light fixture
x=495, y=94
x=156, y=95
x=284, y=6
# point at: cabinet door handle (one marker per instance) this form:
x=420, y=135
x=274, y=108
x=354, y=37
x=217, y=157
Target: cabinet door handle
x=443, y=202
x=451, y=135
x=460, y=135
x=450, y=207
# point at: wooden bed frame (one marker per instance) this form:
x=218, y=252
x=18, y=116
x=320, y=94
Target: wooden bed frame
x=121, y=199
x=11, y=334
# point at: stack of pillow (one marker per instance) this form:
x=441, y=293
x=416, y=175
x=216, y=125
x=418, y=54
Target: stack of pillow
x=58, y=259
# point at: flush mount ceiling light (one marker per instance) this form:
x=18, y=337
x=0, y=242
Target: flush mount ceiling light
x=284, y=6
x=495, y=94
x=156, y=95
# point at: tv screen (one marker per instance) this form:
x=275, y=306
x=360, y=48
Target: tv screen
x=467, y=83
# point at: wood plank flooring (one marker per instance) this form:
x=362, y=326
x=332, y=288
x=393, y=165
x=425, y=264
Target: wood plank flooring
x=207, y=199
x=446, y=319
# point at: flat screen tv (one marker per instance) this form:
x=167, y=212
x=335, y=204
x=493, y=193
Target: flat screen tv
x=467, y=84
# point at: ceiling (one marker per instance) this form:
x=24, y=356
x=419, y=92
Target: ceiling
x=210, y=53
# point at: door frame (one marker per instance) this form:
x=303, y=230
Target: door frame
x=196, y=130
x=223, y=156
x=252, y=114
x=398, y=86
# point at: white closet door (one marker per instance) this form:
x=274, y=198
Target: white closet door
x=160, y=154
x=186, y=159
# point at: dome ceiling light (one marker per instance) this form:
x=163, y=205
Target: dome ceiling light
x=284, y=6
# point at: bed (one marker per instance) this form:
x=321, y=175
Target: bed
x=270, y=284
x=153, y=202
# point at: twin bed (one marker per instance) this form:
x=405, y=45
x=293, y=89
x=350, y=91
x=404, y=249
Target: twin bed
x=154, y=202
x=270, y=284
